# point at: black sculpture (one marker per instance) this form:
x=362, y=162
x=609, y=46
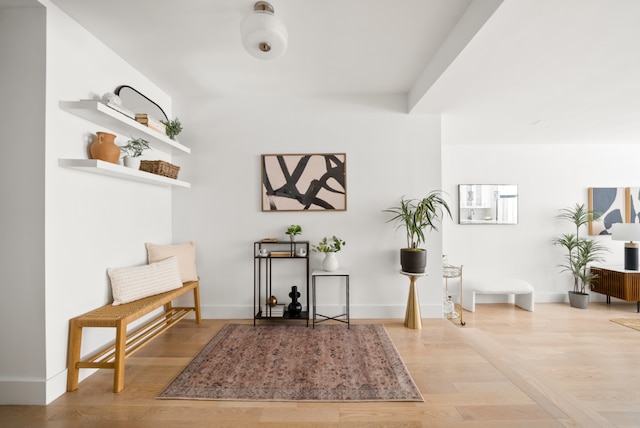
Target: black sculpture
x=295, y=307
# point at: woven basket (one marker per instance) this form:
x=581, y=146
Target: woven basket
x=160, y=168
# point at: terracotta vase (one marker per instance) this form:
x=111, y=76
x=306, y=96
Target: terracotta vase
x=105, y=148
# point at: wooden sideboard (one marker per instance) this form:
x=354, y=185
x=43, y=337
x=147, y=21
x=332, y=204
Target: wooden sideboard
x=617, y=282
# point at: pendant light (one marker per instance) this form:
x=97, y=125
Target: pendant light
x=263, y=35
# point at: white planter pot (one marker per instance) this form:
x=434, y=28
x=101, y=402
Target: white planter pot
x=330, y=262
x=130, y=162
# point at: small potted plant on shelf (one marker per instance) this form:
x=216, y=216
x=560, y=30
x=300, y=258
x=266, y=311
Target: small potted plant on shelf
x=580, y=252
x=132, y=152
x=417, y=216
x=294, y=230
x=173, y=127
x=329, y=249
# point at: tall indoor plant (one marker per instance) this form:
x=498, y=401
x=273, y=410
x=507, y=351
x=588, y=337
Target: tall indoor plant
x=580, y=252
x=417, y=216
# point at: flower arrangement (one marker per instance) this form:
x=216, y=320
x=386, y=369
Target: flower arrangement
x=325, y=246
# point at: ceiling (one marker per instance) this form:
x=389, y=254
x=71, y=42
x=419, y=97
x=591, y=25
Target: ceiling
x=335, y=46
x=526, y=70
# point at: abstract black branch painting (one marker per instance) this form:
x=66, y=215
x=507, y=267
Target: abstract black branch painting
x=304, y=182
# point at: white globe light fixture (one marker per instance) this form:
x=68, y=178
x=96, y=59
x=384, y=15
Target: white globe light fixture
x=263, y=35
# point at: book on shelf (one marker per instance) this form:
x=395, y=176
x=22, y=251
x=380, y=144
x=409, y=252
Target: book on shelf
x=151, y=122
x=275, y=311
x=280, y=254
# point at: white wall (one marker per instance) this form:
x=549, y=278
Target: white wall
x=89, y=222
x=549, y=177
x=389, y=154
x=22, y=308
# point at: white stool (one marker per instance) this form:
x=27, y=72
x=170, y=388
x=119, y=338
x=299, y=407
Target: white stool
x=522, y=290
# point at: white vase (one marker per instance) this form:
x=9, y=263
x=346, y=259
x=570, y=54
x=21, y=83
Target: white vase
x=131, y=162
x=330, y=262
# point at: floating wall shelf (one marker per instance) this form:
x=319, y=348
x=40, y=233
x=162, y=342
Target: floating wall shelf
x=107, y=168
x=100, y=114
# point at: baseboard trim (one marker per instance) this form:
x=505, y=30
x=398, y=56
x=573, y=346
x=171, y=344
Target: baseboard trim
x=23, y=392
x=356, y=311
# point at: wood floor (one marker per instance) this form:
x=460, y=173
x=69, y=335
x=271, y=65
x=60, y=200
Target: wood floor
x=556, y=367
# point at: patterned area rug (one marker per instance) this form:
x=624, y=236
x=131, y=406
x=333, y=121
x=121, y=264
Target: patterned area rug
x=633, y=323
x=296, y=363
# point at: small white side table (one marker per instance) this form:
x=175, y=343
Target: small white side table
x=342, y=317
x=412, y=317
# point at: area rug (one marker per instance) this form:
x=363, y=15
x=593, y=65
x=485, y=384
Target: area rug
x=633, y=323
x=296, y=363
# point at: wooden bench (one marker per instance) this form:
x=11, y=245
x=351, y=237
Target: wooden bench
x=126, y=343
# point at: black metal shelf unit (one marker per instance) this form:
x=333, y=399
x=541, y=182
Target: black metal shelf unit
x=295, y=251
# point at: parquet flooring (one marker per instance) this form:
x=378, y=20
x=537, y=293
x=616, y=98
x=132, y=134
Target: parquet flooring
x=555, y=367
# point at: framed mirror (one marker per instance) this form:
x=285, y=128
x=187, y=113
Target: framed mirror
x=487, y=204
x=137, y=102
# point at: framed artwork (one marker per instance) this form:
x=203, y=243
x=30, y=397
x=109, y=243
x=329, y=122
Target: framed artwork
x=632, y=213
x=610, y=202
x=304, y=182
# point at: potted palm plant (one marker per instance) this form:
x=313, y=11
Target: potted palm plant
x=580, y=253
x=417, y=216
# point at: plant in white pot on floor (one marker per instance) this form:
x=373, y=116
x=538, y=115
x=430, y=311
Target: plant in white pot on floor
x=580, y=253
x=132, y=152
x=329, y=249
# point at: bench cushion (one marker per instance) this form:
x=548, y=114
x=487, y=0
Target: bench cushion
x=136, y=282
x=185, y=253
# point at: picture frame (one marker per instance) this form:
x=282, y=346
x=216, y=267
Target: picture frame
x=304, y=182
x=632, y=209
x=611, y=203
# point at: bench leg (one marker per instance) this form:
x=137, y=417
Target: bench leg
x=73, y=355
x=469, y=301
x=167, y=310
x=118, y=363
x=196, y=303
x=525, y=301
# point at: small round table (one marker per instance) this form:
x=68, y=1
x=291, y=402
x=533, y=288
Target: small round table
x=412, y=318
